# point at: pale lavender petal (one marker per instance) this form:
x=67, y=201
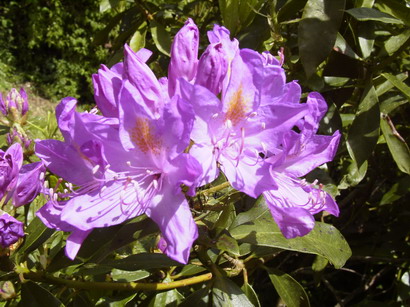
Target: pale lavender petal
x=293, y=222
x=205, y=155
x=184, y=169
x=142, y=78
x=299, y=159
x=114, y=204
x=212, y=68
x=74, y=242
x=28, y=184
x=249, y=174
x=184, y=55
x=65, y=161
x=171, y=213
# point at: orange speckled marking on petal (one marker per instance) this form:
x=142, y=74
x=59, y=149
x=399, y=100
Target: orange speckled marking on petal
x=143, y=136
x=237, y=109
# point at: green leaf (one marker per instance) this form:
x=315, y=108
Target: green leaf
x=343, y=47
x=33, y=295
x=397, y=145
x=354, y=175
x=168, y=298
x=290, y=291
x=395, y=42
x=161, y=37
x=364, y=132
x=141, y=261
x=225, y=219
x=290, y=9
x=230, y=14
x=366, y=14
x=395, y=8
x=257, y=227
x=366, y=36
x=200, y=298
x=127, y=276
x=106, y=5
x=401, y=86
x=226, y=293
x=228, y=244
x=38, y=233
x=251, y=294
x=138, y=38
x=384, y=87
x=318, y=30
x=397, y=191
x=319, y=264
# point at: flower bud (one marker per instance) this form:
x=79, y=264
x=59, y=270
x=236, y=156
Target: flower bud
x=184, y=55
x=212, y=68
x=10, y=230
x=29, y=183
x=15, y=106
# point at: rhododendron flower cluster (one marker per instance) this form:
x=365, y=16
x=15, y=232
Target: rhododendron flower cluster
x=156, y=141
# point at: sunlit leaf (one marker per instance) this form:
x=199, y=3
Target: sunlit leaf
x=290, y=291
x=226, y=293
x=401, y=86
x=397, y=145
x=366, y=14
x=161, y=37
x=257, y=227
x=395, y=42
x=138, y=39
x=395, y=8
x=167, y=298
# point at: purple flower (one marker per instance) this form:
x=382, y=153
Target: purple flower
x=107, y=83
x=20, y=183
x=293, y=201
x=184, y=55
x=10, y=164
x=10, y=230
x=247, y=123
x=124, y=169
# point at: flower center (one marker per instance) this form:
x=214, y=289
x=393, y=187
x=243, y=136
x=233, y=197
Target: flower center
x=143, y=136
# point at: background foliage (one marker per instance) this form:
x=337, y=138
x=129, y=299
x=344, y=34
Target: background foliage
x=356, y=53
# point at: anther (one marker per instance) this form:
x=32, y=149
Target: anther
x=229, y=124
x=41, y=176
x=263, y=124
x=95, y=169
x=215, y=115
x=45, y=184
x=253, y=114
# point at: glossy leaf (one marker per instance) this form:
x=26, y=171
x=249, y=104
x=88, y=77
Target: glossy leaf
x=127, y=276
x=397, y=145
x=230, y=14
x=343, y=47
x=257, y=227
x=226, y=293
x=251, y=294
x=161, y=37
x=199, y=298
x=401, y=86
x=384, y=87
x=366, y=14
x=290, y=291
x=318, y=30
x=228, y=244
x=34, y=295
x=366, y=37
x=395, y=42
x=395, y=8
x=167, y=298
x=364, y=131
x=138, y=39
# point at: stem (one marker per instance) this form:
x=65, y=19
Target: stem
x=119, y=286
x=214, y=189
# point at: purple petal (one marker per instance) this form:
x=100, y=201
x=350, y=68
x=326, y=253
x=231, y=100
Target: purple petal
x=172, y=214
x=208, y=162
x=292, y=222
x=185, y=169
x=212, y=68
x=74, y=242
x=114, y=204
x=28, y=184
x=184, y=55
x=249, y=174
x=142, y=78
